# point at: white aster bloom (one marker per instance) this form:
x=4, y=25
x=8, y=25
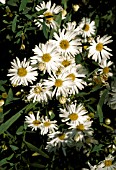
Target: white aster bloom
x=39, y=93
x=98, y=49
x=72, y=26
x=48, y=126
x=46, y=54
x=105, y=67
x=22, y=72
x=73, y=113
x=32, y=121
x=3, y=1
x=80, y=130
x=67, y=42
x=49, y=15
x=107, y=164
x=57, y=140
x=59, y=83
x=76, y=74
x=87, y=27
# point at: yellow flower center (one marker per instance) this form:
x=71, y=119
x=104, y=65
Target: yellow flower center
x=61, y=136
x=71, y=76
x=80, y=127
x=49, y=17
x=22, y=72
x=73, y=116
x=108, y=162
x=46, y=124
x=64, y=44
x=99, y=47
x=66, y=63
x=105, y=70
x=58, y=83
x=37, y=89
x=46, y=57
x=36, y=122
x=86, y=27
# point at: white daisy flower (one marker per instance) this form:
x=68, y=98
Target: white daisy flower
x=49, y=15
x=32, y=121
x=80, y=130
x=22, y=72
x=98, y=49
x=76, y=74
x=107, y=164
x=3, y=1
x=59, y=83
x=67, y=42
x=72, y=26
x=87, y=27
x=67, y=61
x=46, y=54
x=73, y=113
x=39, y=93
x=57, y=140
x=105, y=67
x=48, y=126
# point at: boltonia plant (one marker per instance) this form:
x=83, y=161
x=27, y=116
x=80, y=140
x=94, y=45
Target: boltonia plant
x=58, y=102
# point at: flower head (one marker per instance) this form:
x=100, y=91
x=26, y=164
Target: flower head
x=32, y=121
x=98, y=49
x=48, y=15
x=22, y=72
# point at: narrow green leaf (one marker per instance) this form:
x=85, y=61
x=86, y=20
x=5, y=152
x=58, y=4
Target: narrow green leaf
x=23, y=5
x=36, y=165
x=10, y=97
x=9, y=122
x=100, y=104
x=14, y=23
x=35, y=149
x=14, y=148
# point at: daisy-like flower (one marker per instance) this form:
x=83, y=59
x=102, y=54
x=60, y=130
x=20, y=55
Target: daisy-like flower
x=59, y=83
x=107, y=164
x=49, y=15
x=39, y=93
x=67, y=42
x=48, y=126
x=32, y=121
x=81, y=130
x=73, y=113
x=46, y=54
x=3, y=1
x=76, y=74
x=98, y=49
x=87, y=27
x=105, y=67
x=72, y=26
x=22, y=72
x=56, y=140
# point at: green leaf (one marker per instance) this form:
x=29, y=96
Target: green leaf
x=35, y=149
x=14, y=148
x=4, y=161
x=10, y=97
x=100, y=104
x=36, y=165
x=9, y=122
x=23, y=5
x=97, y=148
x=19, y=130
x=45, y=30
x=14, y=23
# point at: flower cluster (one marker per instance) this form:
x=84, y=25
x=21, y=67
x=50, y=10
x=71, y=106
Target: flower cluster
x=59, y=72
